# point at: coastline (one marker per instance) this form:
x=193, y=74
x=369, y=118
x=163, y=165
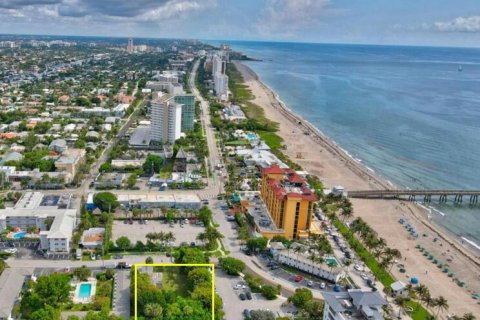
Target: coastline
x=345, y=165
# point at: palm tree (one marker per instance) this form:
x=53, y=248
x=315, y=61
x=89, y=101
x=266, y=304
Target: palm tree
x=401, y=303
x=347, y=212
x=468, y=316
x=428, y=301
x=297, y=250
x=442, y=304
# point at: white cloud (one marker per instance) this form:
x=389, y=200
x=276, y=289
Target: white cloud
x=459, y=24
x=288, y=17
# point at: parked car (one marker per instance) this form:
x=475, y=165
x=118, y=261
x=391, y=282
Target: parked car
x=310, y=283
x=357, y=267
x=249, y=295
x=124, y=265
x=242, y=296
x=322, y=285
x=298, y=278
x=246, y=313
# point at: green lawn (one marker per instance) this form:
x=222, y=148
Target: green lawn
x=237, y=143
x=419, y=312
x=273, y=140
x=166, y=170
x=173, y=280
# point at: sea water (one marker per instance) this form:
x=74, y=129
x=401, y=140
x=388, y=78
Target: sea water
x=411, y=114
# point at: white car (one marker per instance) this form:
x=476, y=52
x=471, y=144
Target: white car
x=357, y=267
x=240, y=286
x=322, y=285
x=310, y=283
x=364, y=276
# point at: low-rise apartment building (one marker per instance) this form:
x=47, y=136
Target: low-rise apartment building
x=70, y=161
x=52, y=214
x=353, y=304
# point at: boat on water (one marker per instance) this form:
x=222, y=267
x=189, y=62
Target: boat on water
x=460, y=68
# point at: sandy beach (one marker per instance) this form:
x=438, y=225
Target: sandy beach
x=319, y=155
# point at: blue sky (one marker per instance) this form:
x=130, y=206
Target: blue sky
x=414, y=22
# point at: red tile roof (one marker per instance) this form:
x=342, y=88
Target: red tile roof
x=273, y=169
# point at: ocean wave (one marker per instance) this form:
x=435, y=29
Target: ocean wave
x=471, y=242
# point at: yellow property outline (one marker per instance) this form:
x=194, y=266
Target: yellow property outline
x=209, y=265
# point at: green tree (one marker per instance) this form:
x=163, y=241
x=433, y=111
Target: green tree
x=270, y=292
x=301, y=297
x=153, y=163
x=210, y=237
x=190, y=255
x=153, y=310
x=262, y=315
x=205, y=215
x=54, y=289
x=123, y=243
x=231, y=265
x=47, y=313
x=257, y=244
x=82, y=273
x=105, y=167
x=80, y=144
x=199, y=276
x=312, y=310
x=106, y=201
x=149, y=260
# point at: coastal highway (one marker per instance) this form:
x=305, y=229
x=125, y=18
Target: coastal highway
x=215, y=181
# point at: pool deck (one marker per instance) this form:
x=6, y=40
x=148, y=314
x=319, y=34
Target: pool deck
x=76, y=296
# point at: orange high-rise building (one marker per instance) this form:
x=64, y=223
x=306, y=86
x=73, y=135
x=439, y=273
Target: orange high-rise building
x=289, y=200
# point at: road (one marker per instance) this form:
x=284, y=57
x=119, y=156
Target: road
x=215, y=182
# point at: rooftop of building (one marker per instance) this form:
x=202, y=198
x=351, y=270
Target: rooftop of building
x=160, y=198
x=357, y=304
x=259, y=212
x=36, y=204
x=291, y=185
x=71, y=156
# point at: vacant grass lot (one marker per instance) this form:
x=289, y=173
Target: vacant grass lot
x=173, y=280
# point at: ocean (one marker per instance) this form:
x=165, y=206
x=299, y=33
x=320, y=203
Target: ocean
x=412, y=114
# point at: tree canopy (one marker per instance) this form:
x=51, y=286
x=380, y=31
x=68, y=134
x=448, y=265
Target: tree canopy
x=106, y=201
x=301, y=297
x=153, y=163
x=231, y=265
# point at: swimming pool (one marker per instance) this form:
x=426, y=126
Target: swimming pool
x=19, y=235
x=251, y=136
x=331, y=261
x=85, y=290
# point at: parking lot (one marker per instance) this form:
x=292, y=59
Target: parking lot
x=137, y=231
x=229, y=289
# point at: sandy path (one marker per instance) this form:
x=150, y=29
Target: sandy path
x=319, y=157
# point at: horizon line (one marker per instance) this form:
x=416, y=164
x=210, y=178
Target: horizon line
x=246, y=40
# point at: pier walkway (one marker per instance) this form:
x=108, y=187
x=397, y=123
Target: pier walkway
x=412, y=195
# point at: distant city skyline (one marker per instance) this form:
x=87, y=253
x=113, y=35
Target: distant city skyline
x=422, y=22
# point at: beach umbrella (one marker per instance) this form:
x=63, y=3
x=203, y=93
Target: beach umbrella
x=418, y=246
x=430, y=257
x=435, y=261
x=414, y=280
x=451, y=274
x=440, y=266
x=445, y=270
